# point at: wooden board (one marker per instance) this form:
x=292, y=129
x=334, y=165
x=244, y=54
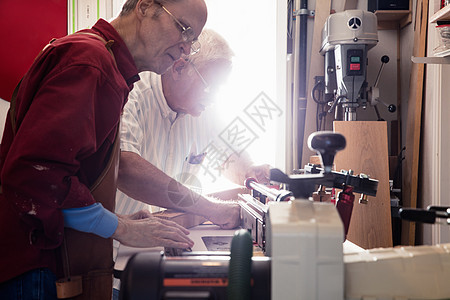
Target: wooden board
x=316, y=68
x=350, y=4
x=413, y=121
x=367, y=152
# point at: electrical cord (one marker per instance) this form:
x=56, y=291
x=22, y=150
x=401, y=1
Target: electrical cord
x=320, y=113
x=315, y=88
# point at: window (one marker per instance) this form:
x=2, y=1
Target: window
x=251, y=93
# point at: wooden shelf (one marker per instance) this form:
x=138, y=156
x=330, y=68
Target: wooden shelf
x=441, y=59
x=393, y=19
x=441, y=15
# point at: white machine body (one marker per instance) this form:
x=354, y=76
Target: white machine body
x=306, y=260
x=304, y=241
x=413, y=272
x=346, y=38
x=351, y=27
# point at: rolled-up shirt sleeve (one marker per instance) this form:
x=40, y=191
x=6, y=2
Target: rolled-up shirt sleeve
x=92, y=219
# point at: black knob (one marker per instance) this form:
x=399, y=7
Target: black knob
x=385, y=59
x=326, y=143
x=392, y=108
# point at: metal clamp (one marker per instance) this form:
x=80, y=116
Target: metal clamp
x=304, y=11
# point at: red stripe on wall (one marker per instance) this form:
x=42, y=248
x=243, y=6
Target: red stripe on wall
x=25, y=27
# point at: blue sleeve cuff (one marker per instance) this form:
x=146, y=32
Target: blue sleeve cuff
x=93, y=219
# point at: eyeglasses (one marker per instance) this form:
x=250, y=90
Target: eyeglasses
x=187, y=33
x=206, y=89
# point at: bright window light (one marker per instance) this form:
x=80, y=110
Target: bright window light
x=250, y=92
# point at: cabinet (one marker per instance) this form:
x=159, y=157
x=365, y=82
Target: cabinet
x=393, y=19
x=441, y=52
x=443, y=48
x=441, y=15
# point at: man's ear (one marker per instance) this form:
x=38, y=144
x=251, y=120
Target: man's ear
x=143, y=6
x=177, y=68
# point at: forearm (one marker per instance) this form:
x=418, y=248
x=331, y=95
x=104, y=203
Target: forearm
x=138, y=230
x=144, y=182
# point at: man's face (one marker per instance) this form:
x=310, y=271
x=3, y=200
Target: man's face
x=161, y=32
x=197, y=89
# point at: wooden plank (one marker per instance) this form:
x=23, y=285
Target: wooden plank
x=350, y=4
x=367, y=152
x=316, y=68
x=413, y=121
x=345, y=5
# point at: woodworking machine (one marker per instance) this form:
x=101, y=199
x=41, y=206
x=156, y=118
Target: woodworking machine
x=291, y=247
x=277, y=222
x=346, y=38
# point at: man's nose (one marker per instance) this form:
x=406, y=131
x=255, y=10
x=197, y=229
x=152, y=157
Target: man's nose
x=186, y=48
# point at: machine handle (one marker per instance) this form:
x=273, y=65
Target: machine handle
x=391, y=107
x=425, y=215
x=327, y=144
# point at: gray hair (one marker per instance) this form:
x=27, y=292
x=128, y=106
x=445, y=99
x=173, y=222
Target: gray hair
x=213, y=47
x=130, y=5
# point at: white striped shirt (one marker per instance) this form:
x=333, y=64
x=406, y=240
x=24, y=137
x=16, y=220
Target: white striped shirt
x=161, y=136
x=166, y=139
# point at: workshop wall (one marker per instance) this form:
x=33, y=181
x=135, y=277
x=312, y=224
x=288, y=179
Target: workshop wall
x=434, y=171
x=26, y=26
x=388, y=83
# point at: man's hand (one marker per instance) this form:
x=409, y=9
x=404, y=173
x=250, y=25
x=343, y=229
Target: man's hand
x=261, y=173
x=142, y=214
x=226, y=214
x=142, y=230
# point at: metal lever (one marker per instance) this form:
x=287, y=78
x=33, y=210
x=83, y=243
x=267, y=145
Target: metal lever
x=374, y=94
x=384, y=60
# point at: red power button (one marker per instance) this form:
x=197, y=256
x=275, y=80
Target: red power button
x=355, y=67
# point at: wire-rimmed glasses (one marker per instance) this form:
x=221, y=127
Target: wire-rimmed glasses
x=187, y=33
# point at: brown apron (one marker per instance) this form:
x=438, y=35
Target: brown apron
x=87, y=259
x=87, y=254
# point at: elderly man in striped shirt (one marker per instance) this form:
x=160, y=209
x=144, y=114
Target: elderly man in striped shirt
x=165, y=133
